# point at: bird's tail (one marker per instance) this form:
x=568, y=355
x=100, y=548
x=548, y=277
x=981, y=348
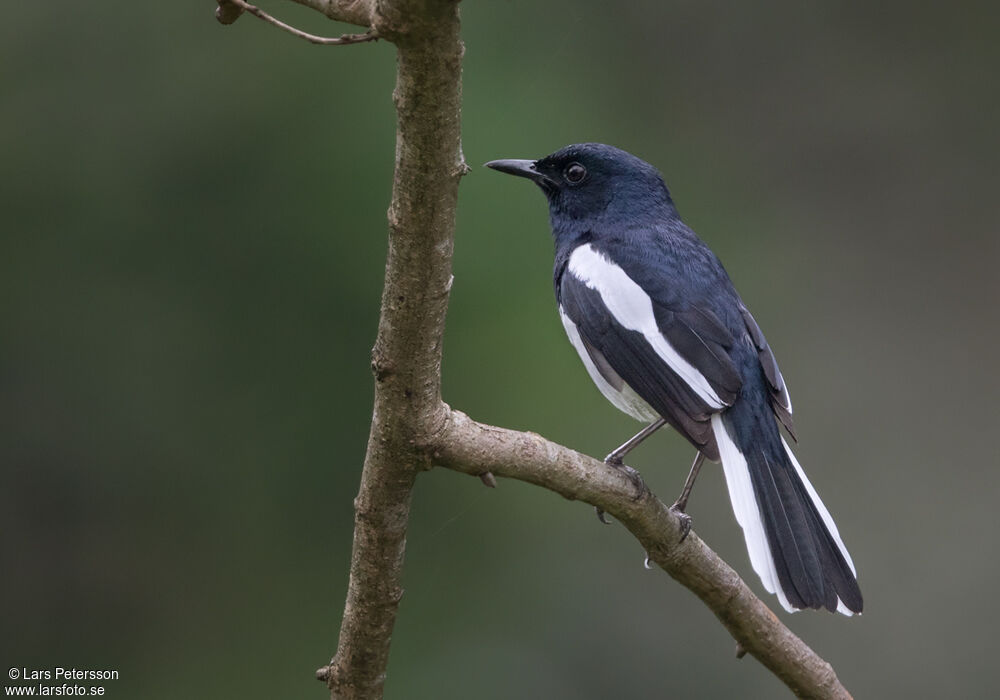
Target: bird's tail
x=793, y=542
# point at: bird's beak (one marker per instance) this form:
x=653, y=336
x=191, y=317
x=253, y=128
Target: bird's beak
x=521, y=168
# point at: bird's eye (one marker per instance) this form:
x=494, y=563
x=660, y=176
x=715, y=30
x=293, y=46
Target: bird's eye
x=574, y=173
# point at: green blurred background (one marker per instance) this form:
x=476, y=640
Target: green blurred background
x=193, y=237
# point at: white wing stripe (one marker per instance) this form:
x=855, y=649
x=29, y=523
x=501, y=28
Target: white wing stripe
x=633, y=309
x=626, y=400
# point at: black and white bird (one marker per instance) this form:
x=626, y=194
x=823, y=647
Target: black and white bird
x=667, y=339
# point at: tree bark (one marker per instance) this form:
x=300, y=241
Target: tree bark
x=406, y=359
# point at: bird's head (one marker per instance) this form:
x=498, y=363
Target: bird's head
x=588, y=181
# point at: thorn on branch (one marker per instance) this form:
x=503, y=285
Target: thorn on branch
x=323, y=673
x=741, y=650
x=229, y=11
x=488, y=479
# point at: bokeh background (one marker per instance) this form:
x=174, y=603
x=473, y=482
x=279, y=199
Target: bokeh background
x=193, y=236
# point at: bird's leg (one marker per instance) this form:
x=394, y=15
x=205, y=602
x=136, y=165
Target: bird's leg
x=680, y=506
x=618, y=454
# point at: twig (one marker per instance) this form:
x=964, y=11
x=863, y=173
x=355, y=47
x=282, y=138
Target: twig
x=359, y=12
x=227, y=16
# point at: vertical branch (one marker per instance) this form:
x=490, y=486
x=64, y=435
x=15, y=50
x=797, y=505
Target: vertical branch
x=406, y=359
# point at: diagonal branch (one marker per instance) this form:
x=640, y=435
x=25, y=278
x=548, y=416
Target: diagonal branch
x=474, y=448
x=229, y=10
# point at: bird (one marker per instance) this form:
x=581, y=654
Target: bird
x=663, y=333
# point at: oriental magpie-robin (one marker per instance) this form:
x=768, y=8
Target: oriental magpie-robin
x=667, y=339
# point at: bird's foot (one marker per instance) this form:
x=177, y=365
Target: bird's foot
x=613, y=460
x=678, y=510
x=630, y=473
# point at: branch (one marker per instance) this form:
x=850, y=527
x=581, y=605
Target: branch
x=406, y=359
x=474, y=448
x=359, y=12
x=230, y=10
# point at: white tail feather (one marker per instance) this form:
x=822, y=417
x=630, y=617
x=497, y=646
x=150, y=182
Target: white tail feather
x=747, y=512
x=744, y=501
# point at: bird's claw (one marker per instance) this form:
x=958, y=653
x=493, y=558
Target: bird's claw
x=685, y=521
x=633, y=476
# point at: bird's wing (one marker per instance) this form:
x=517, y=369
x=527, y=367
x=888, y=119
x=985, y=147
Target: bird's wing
x=677, y=360
x=781, y=402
